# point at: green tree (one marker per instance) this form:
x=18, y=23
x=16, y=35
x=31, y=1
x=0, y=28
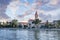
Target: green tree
x=25, y=26
x=47, y=24
x=0, y=24
x=8, y=24
x=58, y=23
x=4, y=24
x=37, y=21
x=14, y=23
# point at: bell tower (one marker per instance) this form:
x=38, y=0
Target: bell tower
x=36, y=15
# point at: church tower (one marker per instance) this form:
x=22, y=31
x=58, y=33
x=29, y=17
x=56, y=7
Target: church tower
x=36, y=15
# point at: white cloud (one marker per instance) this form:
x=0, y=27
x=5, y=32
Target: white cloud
x=54, y=2
x=15, y=5
x=54, y=15
x=54, y=12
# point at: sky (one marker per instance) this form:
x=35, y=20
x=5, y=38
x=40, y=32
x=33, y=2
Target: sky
x=23, y=10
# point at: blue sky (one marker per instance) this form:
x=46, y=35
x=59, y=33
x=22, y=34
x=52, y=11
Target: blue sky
x=23, y=10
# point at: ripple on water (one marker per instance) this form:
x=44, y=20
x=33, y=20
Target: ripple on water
x=6, y=34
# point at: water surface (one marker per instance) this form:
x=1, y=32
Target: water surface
x=24, y=34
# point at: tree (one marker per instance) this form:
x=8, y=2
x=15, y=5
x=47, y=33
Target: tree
x=25, y=26
x=14, y=23
x=36, y=21
x=4, y=24
x=47, y=24
x=58, y=23
x=0, y=24
x=8, y=24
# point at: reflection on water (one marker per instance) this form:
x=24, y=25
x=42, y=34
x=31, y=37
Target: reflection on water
x=17, y=34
